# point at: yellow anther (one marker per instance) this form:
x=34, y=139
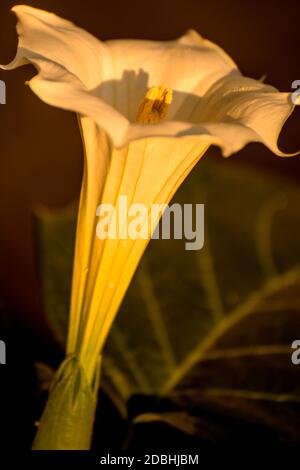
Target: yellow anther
x=155, y=105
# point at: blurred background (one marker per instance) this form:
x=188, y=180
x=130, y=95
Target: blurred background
x=41, y=151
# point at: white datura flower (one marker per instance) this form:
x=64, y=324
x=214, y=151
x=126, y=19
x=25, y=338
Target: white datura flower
x=148, y=111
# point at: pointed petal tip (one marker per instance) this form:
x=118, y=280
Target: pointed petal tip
x=17, y=9
x=193, y=33
x=37, y=13
x=285, y=155
x=28, y=8
x=191, y=36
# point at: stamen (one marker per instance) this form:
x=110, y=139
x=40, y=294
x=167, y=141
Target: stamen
x=155, y=105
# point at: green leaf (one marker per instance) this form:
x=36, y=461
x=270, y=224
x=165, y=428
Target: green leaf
x=212, y=329
x=54, y=232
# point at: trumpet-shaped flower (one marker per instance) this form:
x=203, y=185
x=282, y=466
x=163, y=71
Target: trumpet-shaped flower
x=147, y=111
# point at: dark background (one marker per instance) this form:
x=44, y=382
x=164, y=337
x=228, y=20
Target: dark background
x=41, y=152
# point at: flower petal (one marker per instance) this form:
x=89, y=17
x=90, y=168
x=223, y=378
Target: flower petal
x=146, y=172
x=96, y=167
x=212, y=100
x=57, y=87
x=235, y=99
x=121, y=71
x=233, y=114
x=45, y=35
x=183, y=65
